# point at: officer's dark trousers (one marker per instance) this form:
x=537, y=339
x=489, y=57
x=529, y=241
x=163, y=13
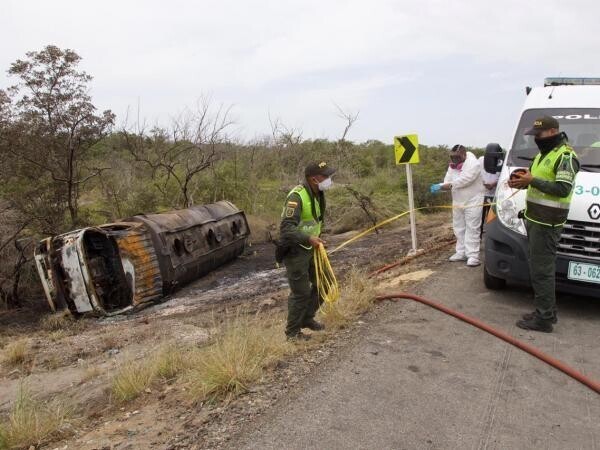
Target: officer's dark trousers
x=303, y=301
x=543, y=241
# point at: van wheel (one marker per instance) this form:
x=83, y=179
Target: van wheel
x=492, y=282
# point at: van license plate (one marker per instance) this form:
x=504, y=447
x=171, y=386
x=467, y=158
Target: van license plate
x=584, y=272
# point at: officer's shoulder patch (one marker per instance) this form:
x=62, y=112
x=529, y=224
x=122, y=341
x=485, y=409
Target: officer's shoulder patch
x=292, y=204
x=289, y=212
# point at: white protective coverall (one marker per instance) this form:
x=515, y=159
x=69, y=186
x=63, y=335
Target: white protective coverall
x=467, y=189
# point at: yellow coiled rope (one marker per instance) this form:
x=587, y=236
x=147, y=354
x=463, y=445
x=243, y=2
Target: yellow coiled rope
x=327, y=285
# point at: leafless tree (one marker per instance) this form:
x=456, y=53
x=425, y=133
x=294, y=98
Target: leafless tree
x=286, y=141
x=185, y=149
x=342, y=145
x=365, y=204
x=349, y=118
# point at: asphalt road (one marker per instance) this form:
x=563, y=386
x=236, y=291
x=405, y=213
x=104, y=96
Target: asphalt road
x=418, y=379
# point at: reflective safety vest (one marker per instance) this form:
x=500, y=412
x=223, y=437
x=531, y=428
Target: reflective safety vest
x=309, y=223
x=543, y=208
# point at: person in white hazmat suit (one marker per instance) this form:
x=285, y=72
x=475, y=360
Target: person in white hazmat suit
x=463, y=179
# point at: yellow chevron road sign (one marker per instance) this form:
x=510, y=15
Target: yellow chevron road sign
x=406, y=149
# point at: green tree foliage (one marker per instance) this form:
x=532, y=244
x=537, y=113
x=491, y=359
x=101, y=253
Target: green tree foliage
x=53, y=127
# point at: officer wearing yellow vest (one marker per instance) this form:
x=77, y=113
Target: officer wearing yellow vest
x=549, y=182
x=301, y=222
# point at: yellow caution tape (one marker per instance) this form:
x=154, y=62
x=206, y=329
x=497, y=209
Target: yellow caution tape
x=402, y=214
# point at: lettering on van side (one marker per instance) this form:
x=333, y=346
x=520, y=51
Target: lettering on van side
x=577, y=117
x=594, y=190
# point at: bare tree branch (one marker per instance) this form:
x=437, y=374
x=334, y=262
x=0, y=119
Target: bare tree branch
x=349, y=118
x=184, y=150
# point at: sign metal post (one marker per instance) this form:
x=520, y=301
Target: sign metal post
x=406, y=149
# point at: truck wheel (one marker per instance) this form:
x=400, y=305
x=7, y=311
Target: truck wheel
x=492, y=282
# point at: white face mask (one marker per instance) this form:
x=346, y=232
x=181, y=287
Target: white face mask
x=325, y=184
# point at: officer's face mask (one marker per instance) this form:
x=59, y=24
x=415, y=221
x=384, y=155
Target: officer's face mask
x=545, y=144
x=325, y=184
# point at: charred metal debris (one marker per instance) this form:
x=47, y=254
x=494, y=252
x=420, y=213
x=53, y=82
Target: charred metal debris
x=114, y=268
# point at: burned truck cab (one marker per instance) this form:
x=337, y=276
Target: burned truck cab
x=116, y=267
x=82, y=270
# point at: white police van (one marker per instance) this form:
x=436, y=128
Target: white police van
x=575, y=103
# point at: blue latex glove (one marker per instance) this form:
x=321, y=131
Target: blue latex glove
x=435, y=188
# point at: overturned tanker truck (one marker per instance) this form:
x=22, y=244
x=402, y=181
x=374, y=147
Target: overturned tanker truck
x=114, y=268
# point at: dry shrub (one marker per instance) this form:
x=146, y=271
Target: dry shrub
x=109, y=341
x=58, y=321
x=53, y=362
x=237, y=357
x=132, y=378
x=62, y=324
x=17, y=353
x=57, y=335
x=90, y=373
x=241, y=351
x=357, y=296
x=170, y=360
x=32, y=423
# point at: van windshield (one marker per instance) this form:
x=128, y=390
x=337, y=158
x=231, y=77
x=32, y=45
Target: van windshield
x=582, y=126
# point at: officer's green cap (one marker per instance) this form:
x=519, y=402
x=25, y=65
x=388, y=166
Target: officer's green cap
x=542, y=123
x=319, y=168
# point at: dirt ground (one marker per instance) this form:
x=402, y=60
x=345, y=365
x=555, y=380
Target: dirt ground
x=78, y=361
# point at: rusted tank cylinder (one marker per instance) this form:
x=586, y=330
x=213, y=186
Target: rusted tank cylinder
x=191, y=242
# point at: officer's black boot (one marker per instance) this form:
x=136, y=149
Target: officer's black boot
x=312, y=324
x=531, y=315
x=297, y=336
x=536, y=323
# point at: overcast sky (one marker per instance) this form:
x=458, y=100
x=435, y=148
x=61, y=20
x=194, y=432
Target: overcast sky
x=451, y=71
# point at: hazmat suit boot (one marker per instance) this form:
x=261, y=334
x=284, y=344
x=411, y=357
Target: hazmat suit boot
x=313, y=325
x=536, y=323
x=457, y=257
x=473, y=262
x=531, y=315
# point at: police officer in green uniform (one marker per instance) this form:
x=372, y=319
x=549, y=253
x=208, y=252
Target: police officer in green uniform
x=302, y=219
x=549, y=182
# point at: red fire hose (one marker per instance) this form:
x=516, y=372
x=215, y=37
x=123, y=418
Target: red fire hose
x=593, y=385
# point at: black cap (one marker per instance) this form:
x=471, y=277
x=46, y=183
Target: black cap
x=542, y=123
x=320, y=168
